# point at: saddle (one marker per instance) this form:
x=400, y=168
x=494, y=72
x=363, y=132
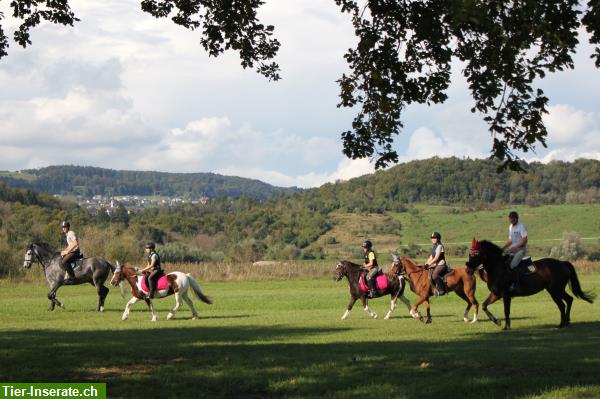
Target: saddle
x=163, y=284
x=527, y=266
x=443, y=274
x=381, y=282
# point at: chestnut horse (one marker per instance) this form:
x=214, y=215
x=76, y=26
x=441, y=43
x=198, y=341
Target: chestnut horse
x=460, y=280
x=178, y=284
x=553, y=275
x=352, y=271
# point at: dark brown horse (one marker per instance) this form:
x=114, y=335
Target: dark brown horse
x=352, y=271
x=458, y=280
x=553, y=275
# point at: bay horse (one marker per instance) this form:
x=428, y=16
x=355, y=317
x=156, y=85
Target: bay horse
x=174, y=283
x=87, y=270
x=352, y=271
x=550, y=274
x=459, y=280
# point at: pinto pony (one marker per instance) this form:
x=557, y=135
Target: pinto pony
x=553, y=275
x=174, y=283
x=394, y=285
x=458, y=280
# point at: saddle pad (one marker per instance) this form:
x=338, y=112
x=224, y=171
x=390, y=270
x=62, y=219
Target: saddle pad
x=163, y=283
x=380, y=283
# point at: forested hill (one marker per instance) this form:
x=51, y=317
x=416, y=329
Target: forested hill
x=88, y=181
x=463, y=181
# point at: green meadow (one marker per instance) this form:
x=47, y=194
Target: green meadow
x=285, y=339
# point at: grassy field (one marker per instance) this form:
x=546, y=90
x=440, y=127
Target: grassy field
x=285, y=339
x=545, y=224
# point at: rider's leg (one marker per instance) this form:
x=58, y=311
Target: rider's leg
x=152, y=277
x=439, y=283
x=371, y=280
x=514, y=263
x=66, y=263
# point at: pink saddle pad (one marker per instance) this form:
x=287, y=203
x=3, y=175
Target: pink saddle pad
x=380, y=283
x=163, y=283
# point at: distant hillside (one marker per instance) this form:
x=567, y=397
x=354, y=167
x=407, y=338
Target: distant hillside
x=88, y=181
x=462, y=181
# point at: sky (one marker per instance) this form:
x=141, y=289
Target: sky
x=123, y=90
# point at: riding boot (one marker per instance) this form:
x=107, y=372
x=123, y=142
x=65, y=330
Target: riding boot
x=371, y=285
x=517, y=279
x=439, y=283
x=70, y=272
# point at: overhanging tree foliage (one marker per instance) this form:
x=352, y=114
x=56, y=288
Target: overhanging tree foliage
x=403, y=56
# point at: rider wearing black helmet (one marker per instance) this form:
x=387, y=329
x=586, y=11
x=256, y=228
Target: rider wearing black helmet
x=71, y=251
x=371, y=265
x=437, y=260
x=153, y=269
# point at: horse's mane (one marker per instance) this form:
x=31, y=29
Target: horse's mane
x=46, y=247
x=352, y=264
x=490, y=248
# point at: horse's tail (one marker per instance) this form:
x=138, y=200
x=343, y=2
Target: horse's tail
x=196, y=287
x=576, y=287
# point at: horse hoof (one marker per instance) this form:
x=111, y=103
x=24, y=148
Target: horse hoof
x=386, y=318
x=62, y=306
x=466, y=319
x=473, y=321
x=375, y=316
x=194, y=317
x=169, y=316
x=123, y=318
x=498, y=323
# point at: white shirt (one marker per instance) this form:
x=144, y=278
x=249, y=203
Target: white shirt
x=516, y=233
x=70, y=238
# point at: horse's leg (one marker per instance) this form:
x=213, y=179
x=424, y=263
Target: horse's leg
x=557, y=298
x=102, y=293
x=365, y=302
x=460, y=293
x=392, y=306
x=414, y=311
x=52, y=297
x=349, y=308
x=569, y=300
x=428, y=308
x=507, y=299
x=191, y=305
x=489, y=300
x=176, y=308
x=130, y=303
x=152, y=309
x=406, y=302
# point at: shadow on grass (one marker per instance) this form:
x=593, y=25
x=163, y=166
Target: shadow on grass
x=252, y=362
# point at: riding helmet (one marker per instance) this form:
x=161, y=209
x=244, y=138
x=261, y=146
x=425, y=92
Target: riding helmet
x=437, y=235
x=513, y=215
x=150, y=245
x=66, y=224
x=367, y=244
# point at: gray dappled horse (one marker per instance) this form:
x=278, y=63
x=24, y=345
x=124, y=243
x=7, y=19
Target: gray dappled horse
x=87, y=270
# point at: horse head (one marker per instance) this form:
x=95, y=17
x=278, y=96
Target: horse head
x=476, y=257
x=340, y=270
x=118, y=275
x=397, y=266
x=29, y=255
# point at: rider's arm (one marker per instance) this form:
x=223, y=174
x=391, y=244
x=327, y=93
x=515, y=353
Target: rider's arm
x=369, y=265
x=434, y=259
x=70, y=248
x=152, y=262
x=519, y=245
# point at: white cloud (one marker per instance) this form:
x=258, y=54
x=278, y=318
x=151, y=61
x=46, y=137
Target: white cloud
x=567, y=125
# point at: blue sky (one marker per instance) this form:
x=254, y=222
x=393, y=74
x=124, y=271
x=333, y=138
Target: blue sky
x=123, y=90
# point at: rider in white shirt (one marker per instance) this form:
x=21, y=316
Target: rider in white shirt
x=516, y=244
